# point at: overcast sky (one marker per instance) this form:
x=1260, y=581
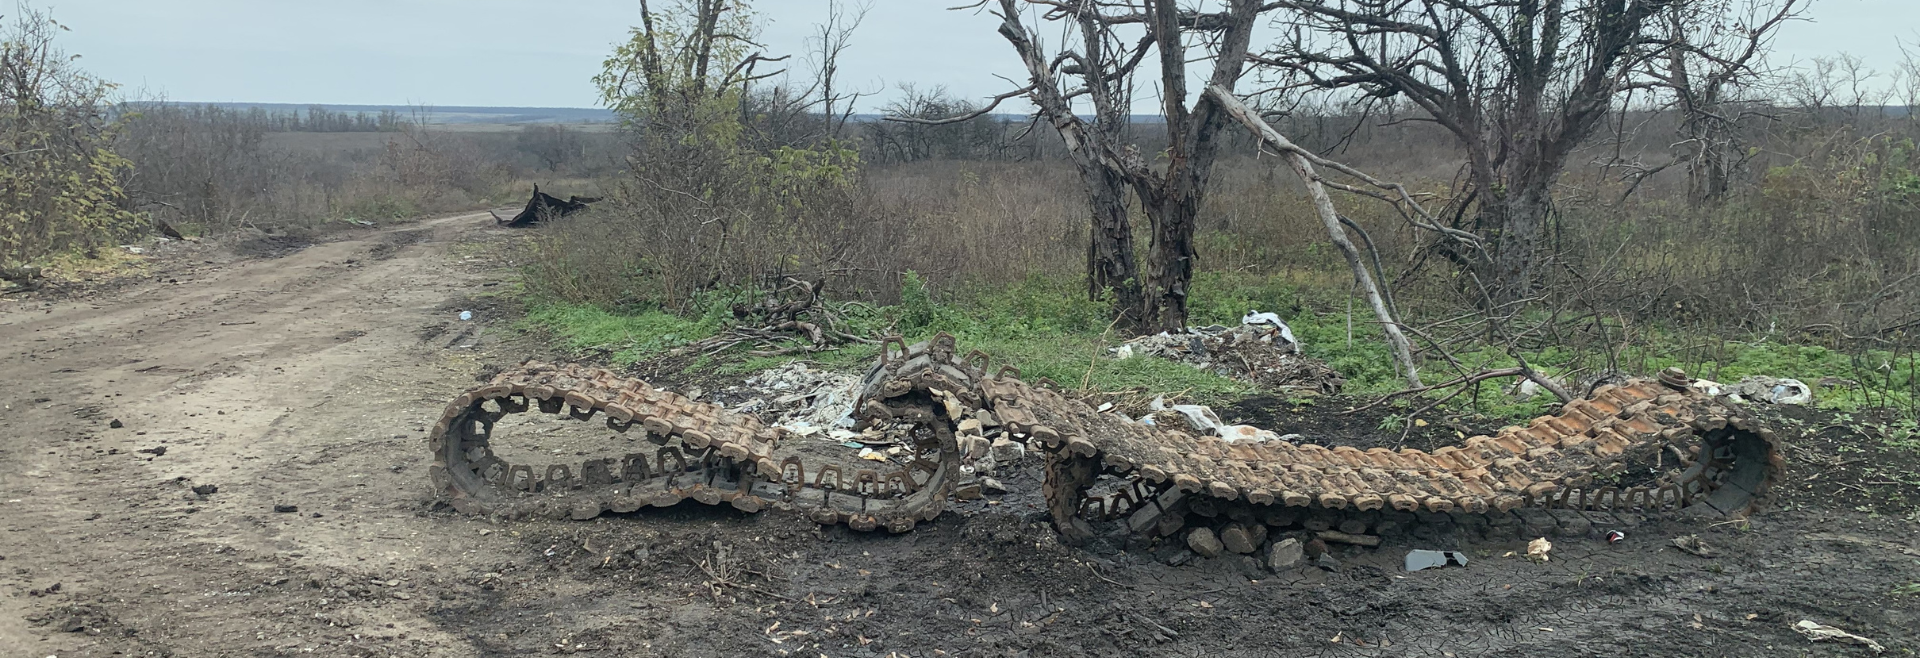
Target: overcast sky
x=543, y=53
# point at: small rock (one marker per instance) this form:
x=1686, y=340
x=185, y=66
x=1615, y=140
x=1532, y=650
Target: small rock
x=206, y=489
x=1353, y=526
x=1179, y=557
x=155, y=451
x=1284, y=554
x=115, y=424
x=967, y=492
x=1326, y=561
x=1204, y=542
x=1008, y=451
x=1243, y=539
x=286, y=509
x=1315, y=548
x=992, y=486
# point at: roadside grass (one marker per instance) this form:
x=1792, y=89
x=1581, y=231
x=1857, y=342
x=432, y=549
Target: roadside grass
x=1046, y=328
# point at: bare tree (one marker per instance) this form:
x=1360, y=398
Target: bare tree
x=1114, y=38
x=1520, y=84
x=829, y=41
x=1711, y=53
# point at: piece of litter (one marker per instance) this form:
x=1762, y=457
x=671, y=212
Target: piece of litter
x=466, y=315
x=1418, y=559
x=1105, y=407
x=1286, y=333
x=1694, y=545
x=875, y=455
x=1818, y=632
x=855, y=445
x=1537, y=549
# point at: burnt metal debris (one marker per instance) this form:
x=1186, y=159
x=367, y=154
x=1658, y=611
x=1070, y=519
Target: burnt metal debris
x=1107, y=475
x=543, y=207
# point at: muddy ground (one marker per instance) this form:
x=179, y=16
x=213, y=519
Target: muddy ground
x=303, y=376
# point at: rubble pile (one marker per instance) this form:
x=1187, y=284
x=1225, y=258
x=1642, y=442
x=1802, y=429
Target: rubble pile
x=805, y=401
x=1264, y=354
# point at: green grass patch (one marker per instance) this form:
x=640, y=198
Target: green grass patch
x=625, y=337
x=1047, y=328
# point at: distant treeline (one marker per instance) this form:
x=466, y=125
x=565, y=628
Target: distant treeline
x=314, y=119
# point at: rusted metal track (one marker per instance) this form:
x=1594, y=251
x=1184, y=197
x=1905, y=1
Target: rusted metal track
x=1106, y=473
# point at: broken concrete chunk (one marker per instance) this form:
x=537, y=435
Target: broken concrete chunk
x=1204, y=542
x=1008, y=451
x=1284, y=554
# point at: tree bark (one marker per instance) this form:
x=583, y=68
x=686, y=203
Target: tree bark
x=1110, y=264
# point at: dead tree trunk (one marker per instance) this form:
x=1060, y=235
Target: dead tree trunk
x=1110, y=264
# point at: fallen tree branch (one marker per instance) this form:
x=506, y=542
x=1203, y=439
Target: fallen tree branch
x=1323, y=204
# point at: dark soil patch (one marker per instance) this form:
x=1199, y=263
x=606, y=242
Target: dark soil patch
x=272, y=246
x=706, y=582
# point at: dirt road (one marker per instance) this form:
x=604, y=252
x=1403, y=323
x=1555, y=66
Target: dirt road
x=307, y=379
x=300, y=380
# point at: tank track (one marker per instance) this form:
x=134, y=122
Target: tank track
x=1108, y=475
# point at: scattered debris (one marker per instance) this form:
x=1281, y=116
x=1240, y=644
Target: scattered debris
x=466, y=315
x=1616, y=537
x=992, y=486
x=1759, y=388
x=1537, y=549
x=155, y=451
x=1256, y=318
x=1418, y=559
x=206, y=489
x=1263, y=354
x=803, y=400
x=1693, y=544
x=1818, y=632
x=286, y=509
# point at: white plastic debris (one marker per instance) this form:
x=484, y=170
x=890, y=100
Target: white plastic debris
x=1818, y=632
x=1123, y=352
x=1286, y=332
x=466, y=315
x=1771, y=390
x=1246, y=434
x=1198, y=417
x=1538, y=549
